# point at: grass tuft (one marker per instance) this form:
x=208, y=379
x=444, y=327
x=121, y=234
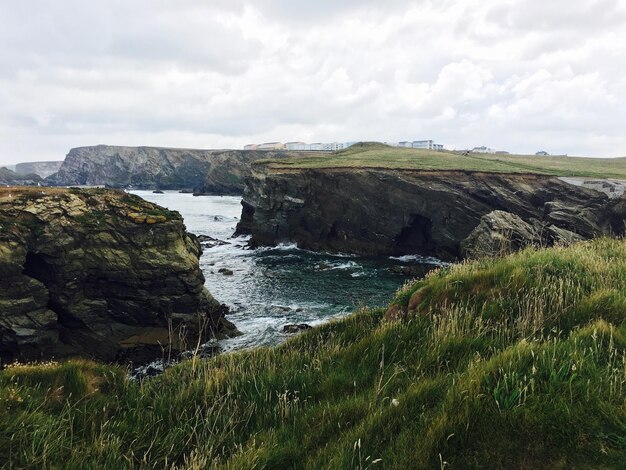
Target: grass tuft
x=516, y=362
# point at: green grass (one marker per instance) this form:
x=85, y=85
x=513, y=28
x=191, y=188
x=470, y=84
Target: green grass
x=383, y=156
x=516, y=362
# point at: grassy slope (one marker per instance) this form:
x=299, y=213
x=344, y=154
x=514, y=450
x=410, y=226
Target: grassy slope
x=382, y=156
x=510, y=363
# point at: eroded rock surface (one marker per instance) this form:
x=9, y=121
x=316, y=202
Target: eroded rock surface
x=398, y=212
x=98, y=273
x=219, y=172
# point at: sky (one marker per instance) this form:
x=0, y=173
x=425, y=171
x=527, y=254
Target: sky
x=515, y=75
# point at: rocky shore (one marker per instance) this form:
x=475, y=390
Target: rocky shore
x=447, y=214
x=98, y=273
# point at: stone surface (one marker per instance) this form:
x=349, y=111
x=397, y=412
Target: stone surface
x=201, y=171
x=500, y=233
x=10, y=178
x=98, y=273
x=398, y=212
x=41, y=169
x=295, y=328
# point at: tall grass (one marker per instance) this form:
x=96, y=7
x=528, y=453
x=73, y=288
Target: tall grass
x=516, y=362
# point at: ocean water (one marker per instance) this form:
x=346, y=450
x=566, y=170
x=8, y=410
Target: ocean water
x=274, y=287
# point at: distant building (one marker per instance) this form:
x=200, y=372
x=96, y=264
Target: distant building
x=483, y=149
x=542, y=153
x=271, y=146
x=405, y=144
x=502, y=152
x=426, y=144
x=297, y=146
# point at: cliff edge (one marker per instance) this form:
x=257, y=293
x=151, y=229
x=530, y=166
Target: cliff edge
x=97, y=273
x=220, y=172
x=449, y=214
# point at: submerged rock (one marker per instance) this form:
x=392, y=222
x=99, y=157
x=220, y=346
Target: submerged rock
x=98, y=273
x=210, y=242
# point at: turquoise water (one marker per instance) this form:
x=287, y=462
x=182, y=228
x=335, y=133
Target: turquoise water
x=273, y=287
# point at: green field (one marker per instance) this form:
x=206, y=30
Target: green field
x=505, y=363
x=372, y=155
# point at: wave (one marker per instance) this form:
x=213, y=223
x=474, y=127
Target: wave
x=419, y=259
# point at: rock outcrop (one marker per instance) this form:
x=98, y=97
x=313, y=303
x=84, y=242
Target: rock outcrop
x=398, y=212
x=500, y=233
x=10, y=178
x=98, y=273
x=41, y=169
x=203, y=171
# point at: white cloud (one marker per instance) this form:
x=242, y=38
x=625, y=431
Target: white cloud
x=518, y=75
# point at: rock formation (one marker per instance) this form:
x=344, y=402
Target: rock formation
x=397, y=212
x=41, y=169
x=9, y=178
x=204, y=171
x=98, y=273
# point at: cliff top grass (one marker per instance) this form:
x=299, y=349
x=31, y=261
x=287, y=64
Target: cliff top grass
x=516, y=362
x=375, y=155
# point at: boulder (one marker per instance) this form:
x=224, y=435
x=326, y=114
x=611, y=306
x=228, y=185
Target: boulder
x=500, y=233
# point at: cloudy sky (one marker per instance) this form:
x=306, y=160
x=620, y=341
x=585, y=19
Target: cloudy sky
x=518, y=75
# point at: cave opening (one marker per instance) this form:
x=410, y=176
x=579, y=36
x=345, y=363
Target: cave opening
x=38, y=268
x=415, y=236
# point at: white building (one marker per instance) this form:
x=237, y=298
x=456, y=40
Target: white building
x=405, y=144
x=317, y=146
x=483, y=149
x=426, y=144
x=271, y=146
x=250, y=147
x=297, y=146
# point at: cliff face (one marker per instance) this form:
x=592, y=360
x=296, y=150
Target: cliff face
x=42, y=169
x=97, y=273
x=397, y=212
x=204, y=171
x=9, y=177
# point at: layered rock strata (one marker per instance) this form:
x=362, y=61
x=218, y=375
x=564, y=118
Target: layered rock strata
x=98, y=273
x=219, y=172
x=434, y=213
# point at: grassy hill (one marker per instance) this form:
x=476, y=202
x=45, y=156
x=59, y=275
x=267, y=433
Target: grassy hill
x=373, y=155
x=508, y=363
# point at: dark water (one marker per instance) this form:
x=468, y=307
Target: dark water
x=273, y=287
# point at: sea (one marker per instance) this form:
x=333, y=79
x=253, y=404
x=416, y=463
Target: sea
x=272, y=287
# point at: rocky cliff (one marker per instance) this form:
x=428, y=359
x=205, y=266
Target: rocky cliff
x=97, y=273
x=448, y=214
x=41, y=169
x=9, y=177
x=204, y=171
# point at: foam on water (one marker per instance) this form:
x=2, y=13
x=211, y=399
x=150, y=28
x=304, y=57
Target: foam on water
x=271, y=287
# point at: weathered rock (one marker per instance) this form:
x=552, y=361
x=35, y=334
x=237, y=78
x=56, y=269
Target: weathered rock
x=97, y=273
x=210, y=242
x=398, y=212
x=296, y=328
x=207, y=171
x=41, y=169
x=500, y=233
x=11, y=178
